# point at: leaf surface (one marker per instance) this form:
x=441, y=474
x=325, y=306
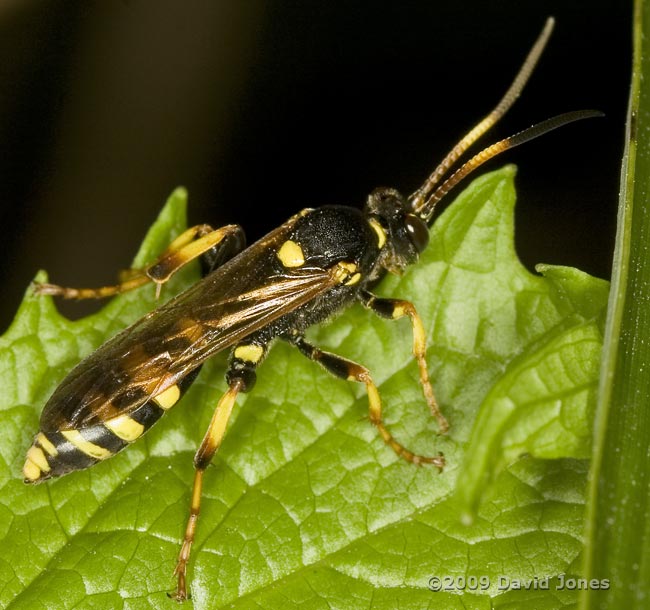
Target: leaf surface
x=305, y=507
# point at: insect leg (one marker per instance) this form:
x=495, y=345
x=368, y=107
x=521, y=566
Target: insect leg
x=393, y=309
x=215, y=246
x=346, y=369
x=241, y=378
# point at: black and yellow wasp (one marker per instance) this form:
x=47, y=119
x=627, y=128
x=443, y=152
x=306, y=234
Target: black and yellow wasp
x=302, y=273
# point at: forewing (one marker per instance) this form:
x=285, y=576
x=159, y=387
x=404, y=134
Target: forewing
x=239, y=298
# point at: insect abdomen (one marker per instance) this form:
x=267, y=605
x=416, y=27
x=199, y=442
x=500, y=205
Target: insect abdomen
x=58, y=450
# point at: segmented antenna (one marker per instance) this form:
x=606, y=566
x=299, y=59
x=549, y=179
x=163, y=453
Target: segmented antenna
x=426, y=210
x=418, y=198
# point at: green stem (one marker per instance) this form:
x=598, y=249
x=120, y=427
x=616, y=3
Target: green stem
x=618, y=525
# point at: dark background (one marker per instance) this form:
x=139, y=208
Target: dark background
x=262, y=108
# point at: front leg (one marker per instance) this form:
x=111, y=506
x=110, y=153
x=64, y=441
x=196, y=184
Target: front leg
x=394, y=309
x=346, y=369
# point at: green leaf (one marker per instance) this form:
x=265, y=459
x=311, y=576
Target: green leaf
x=618, y=526
x=305, y=506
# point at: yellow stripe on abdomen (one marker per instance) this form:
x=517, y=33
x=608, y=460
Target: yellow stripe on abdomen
x=125, y=427
x=90, y=449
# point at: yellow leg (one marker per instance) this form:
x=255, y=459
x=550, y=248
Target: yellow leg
x=188, y=246
x=395, y=309
x=209, y=446
x=346, y=369
x=403, y=308
x=361, y=373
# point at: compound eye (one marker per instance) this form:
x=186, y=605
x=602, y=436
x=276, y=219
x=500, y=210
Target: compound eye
x=418, y=232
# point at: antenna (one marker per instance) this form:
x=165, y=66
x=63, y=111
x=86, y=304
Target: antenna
x=418, y=198
x=426, y=210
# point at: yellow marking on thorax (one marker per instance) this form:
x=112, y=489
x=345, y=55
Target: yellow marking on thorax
x=36, y=456
x=249, y=353
x=125, y=427
x=45, y=442
x=95, y=451
x=346, y=273
x=291, y=254
x=167, y=399
x=381, y=234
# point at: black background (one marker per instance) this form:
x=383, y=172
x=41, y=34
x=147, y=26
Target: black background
x=262, y=108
